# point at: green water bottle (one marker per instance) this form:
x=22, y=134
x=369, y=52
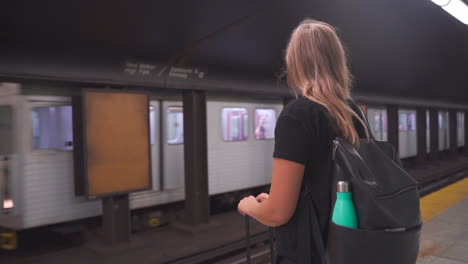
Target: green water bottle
x=344, y=213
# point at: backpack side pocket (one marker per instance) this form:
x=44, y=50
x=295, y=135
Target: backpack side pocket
x=346, y=245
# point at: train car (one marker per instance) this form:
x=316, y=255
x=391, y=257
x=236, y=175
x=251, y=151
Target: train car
x=407, y=135
x=407, y=143
x=36, y=152
x=36, y=149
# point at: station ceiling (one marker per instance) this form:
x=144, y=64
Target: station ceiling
x=407, y=48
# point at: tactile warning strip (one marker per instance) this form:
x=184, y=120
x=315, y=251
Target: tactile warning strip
x=441, y=200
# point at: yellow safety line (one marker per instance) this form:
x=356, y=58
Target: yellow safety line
x=441, y=200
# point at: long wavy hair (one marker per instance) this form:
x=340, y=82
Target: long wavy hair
x=316, y=68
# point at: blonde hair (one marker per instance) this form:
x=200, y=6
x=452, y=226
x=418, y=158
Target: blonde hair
x=316, y=68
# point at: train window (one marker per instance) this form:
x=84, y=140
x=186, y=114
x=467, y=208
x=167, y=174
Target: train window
x=442, y=119
x=406, y=120
x=444, y=135
x=411, y=122
x=460, y=120
x=428, y=120
x=377, y=118
x=235, y=124
x=52, y=127
x=152, y=116
x=175, y=125
x=460, y=129
x=265, y=122
x=428, y=132
x=377, y=123
x=403, y=122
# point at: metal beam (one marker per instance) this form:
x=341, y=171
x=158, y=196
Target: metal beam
x=421, y=134
x=434, y=134
x=392, y=119
x=466, y=130
x=406, y=102
x=453, y=132
x=116, y=219
x=197, y=202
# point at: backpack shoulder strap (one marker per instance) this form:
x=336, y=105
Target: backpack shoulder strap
x=316, y=233
x=361, y=114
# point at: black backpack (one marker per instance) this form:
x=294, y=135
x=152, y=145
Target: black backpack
x=387, y=206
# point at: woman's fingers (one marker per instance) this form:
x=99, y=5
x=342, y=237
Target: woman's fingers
x=262, y=197
x=241, y=206
x=246, y=204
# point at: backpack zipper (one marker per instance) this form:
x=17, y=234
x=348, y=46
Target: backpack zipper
x=336, y=143
x=372, y=184
x=386, y=196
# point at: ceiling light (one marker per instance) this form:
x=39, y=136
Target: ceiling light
x=441, y=2
x=456, y=8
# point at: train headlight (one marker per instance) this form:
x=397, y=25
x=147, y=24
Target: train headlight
x=8, y=204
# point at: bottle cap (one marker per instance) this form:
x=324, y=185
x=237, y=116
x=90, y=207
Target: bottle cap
x=342, y=186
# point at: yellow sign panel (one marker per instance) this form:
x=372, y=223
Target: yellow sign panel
x=8, y=241
x=116, y=142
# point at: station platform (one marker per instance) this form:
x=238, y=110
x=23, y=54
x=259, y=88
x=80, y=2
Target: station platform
x=444, y=237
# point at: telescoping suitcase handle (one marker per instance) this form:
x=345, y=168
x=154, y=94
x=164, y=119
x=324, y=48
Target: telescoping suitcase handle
x=247, y=237
x=248, y=244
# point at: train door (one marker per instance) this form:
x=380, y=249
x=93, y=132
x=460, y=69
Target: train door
x=236, y=123
x=173, y=145
x=155, y=143
x=9, y=169
x=240, y=136
x=6, y=151
x=8, y=158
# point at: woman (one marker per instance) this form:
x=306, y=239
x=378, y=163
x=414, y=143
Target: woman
x=260, y=130
x=316, y=69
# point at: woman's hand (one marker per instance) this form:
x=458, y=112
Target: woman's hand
x=246, y=205
x=262, y=197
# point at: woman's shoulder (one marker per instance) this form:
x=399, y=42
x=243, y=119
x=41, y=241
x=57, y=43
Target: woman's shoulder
x=302, y=109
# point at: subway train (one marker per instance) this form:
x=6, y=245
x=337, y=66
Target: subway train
x=407, y=137
x=36, y=150
x=38, y=181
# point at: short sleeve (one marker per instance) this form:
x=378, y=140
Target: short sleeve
x=292, y=141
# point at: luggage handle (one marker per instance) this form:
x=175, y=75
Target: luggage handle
x=247, y=241
x=247, y=237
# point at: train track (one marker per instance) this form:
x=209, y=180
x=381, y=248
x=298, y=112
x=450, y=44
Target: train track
x=232, y=253
x=432, y=185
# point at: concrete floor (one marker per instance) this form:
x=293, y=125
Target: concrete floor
x=444, y=237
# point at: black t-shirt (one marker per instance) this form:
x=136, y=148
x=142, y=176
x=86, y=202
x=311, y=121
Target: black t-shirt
x=304, y=133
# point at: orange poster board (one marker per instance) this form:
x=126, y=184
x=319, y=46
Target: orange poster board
x=116, y=142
